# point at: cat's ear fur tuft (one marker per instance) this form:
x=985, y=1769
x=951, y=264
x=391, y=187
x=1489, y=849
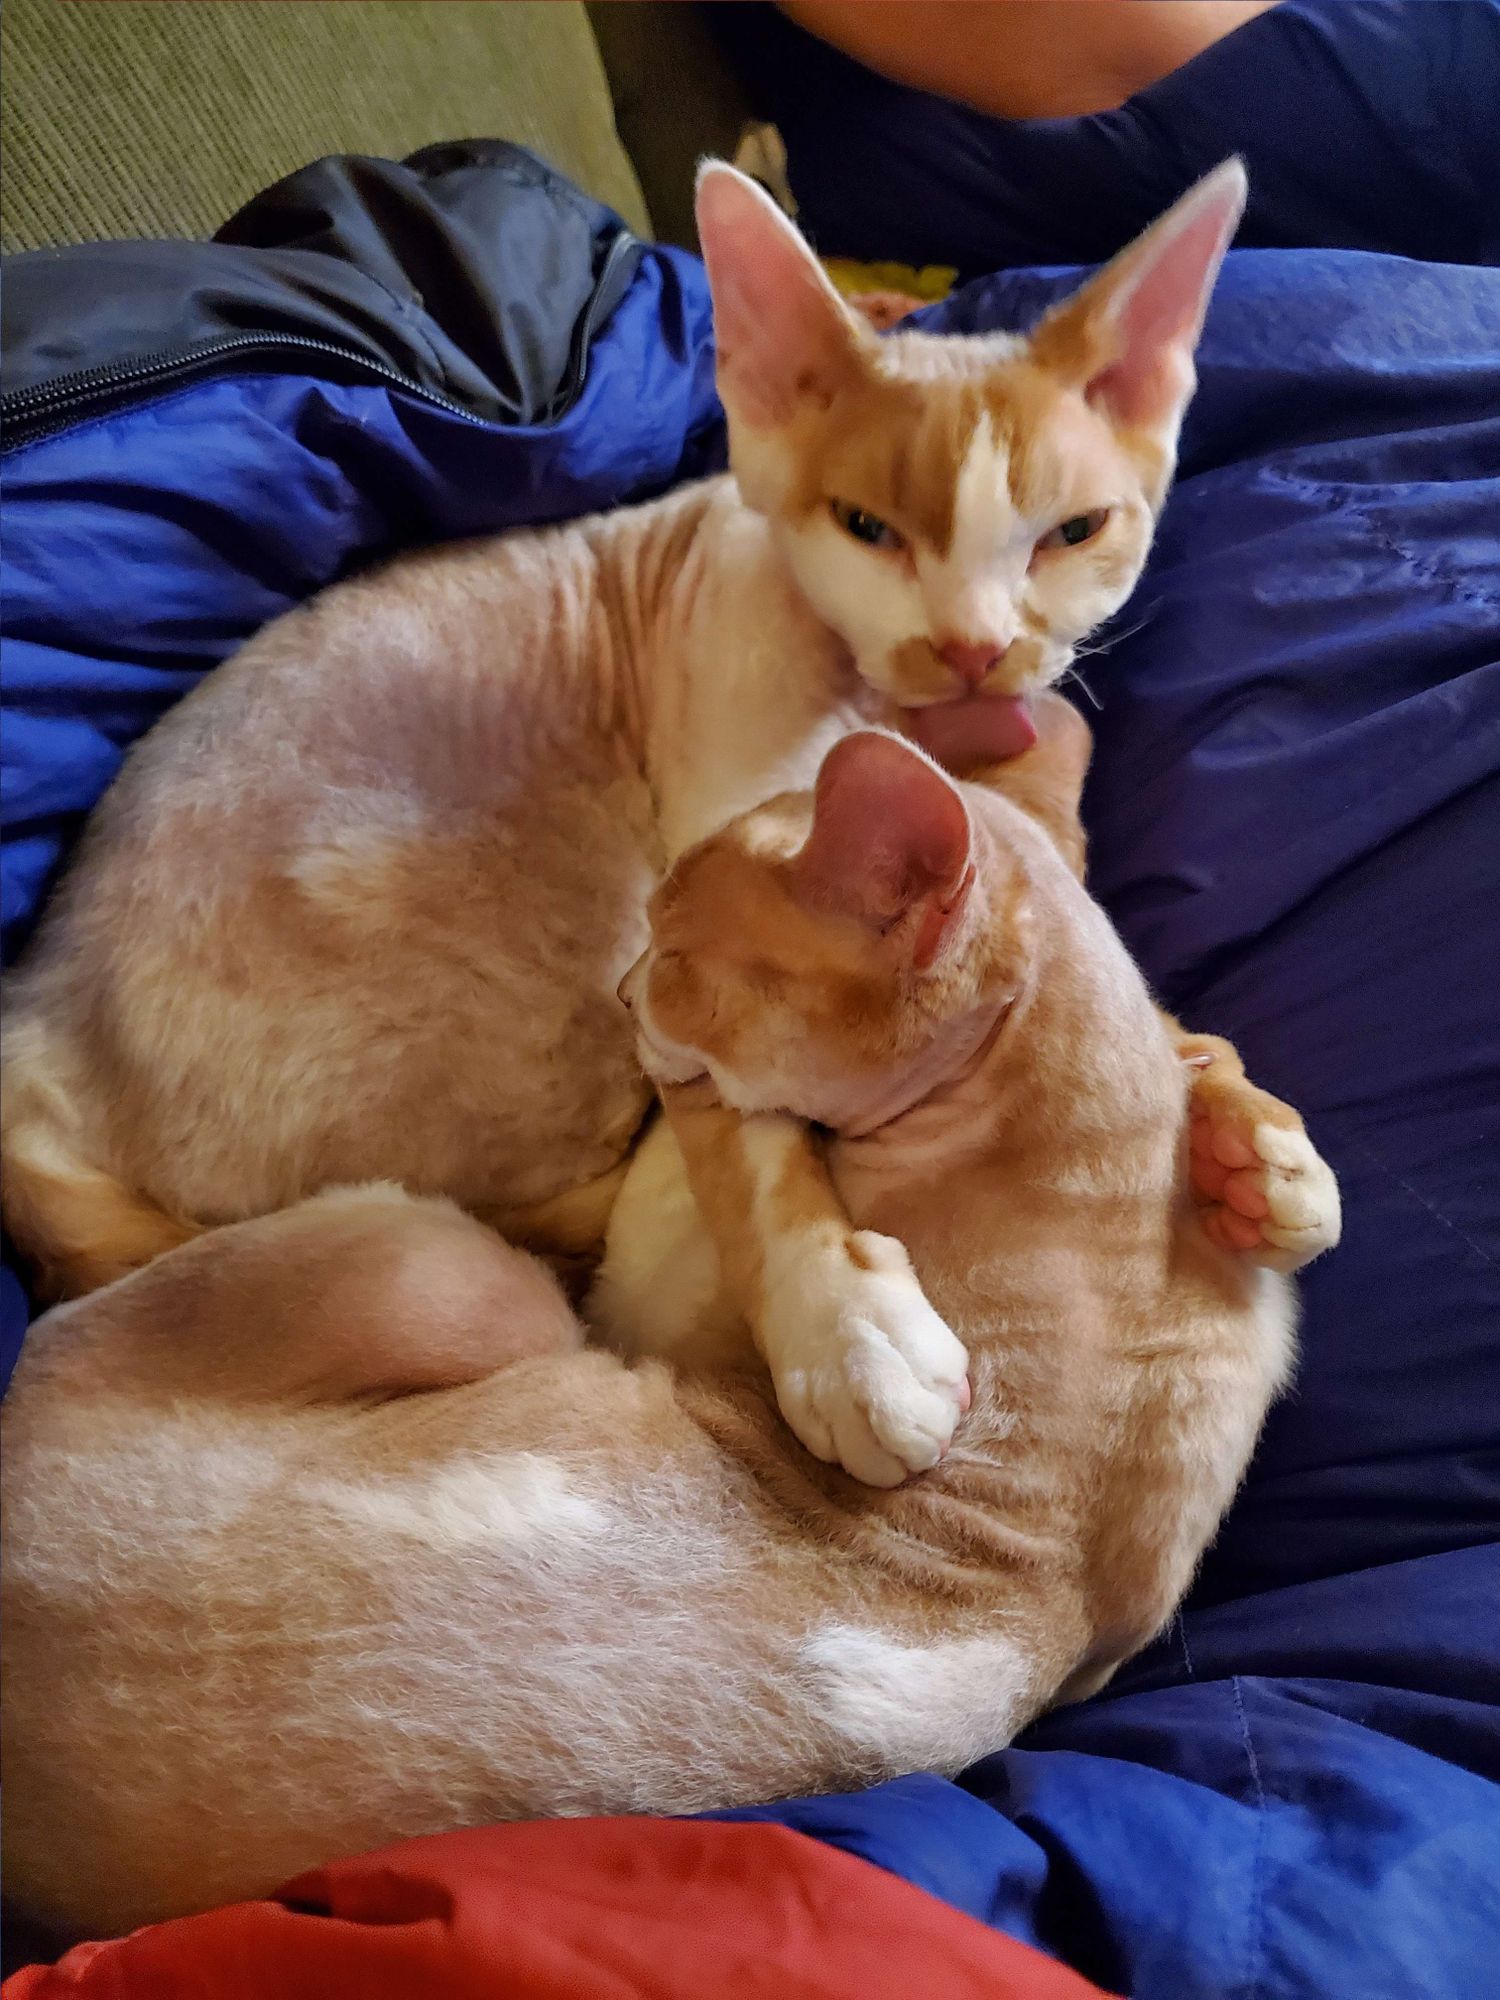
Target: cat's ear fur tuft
x=783, y=334
x=890, y=839
x=1127, y=338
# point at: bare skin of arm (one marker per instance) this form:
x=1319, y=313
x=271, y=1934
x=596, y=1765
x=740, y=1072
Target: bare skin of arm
x=1025, y=58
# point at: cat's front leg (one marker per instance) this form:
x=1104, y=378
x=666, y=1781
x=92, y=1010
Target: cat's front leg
x=1264, y=1189
x=866, y=1373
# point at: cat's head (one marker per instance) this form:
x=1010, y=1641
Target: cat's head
x=961, y=510
x=842, y=955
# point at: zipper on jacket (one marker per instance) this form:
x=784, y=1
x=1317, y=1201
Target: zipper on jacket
x=29, y=414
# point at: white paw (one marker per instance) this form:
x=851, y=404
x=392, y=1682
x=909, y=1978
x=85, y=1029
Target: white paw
x=1303, y=1217
x=1264, y=1192
x=866, y=1373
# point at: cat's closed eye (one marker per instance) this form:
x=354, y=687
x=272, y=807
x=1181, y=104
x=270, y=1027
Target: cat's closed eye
x=865, y=527
x=681, y=981
x=1076, y=530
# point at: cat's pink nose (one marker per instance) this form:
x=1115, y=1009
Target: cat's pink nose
x=971, y=659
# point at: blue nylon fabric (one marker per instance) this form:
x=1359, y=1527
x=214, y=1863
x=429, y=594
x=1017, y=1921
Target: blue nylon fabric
x=1249, y=1810
x=1296, y=813
x=143, y=548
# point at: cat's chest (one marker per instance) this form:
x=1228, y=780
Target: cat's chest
x=741, y=766
x=758, y=721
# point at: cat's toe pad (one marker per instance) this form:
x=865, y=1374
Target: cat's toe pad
x=871, y=1378
x=1267, y=1192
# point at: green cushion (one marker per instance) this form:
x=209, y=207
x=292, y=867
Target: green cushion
x=152, y=118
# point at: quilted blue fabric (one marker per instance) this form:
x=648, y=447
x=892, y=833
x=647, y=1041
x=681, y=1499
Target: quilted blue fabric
x=1296, y=814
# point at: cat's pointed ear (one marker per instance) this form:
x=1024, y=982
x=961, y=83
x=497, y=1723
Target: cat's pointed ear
x=1127, y=338
x=890, y=840
x=782, y=332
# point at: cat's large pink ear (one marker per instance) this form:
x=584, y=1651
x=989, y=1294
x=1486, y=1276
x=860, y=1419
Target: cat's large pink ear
x=782, y=332
x=1128, y=337
x=890, y=840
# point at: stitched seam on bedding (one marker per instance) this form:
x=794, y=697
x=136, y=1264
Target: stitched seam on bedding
x=1348, y=503
x=1251, y=1984
x=1180, y=1623
x=1422, y=1202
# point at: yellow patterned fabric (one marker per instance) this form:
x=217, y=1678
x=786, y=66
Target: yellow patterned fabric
x=161, y=117
x=931, y=282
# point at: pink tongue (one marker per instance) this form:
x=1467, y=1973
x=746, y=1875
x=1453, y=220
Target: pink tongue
x=976, y=729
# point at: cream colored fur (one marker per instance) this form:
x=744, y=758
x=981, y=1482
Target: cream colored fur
x=358, y=906
x=325, y=1529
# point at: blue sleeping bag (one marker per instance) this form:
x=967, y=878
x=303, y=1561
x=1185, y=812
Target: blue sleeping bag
x=1296, y=823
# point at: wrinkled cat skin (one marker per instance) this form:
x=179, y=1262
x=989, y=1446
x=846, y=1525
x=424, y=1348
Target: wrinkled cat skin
x=325, y=1528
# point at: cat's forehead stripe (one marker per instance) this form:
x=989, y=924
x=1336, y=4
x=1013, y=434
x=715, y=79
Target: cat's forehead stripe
x=929, y=357
x=934, y=418
x=901, y=454
x=960, y=446
x=980, y=499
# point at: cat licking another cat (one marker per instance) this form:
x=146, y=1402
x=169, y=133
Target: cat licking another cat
x=357, y=908
x=324, y=1526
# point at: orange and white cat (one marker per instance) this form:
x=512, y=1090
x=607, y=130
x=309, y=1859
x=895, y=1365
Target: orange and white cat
x=326, y=1528
x=358, y=906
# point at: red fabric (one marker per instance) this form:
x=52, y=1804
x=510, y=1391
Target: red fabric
x=609, y=1909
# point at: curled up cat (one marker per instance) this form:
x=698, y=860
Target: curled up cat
x=327, y=1528
x=358, y=906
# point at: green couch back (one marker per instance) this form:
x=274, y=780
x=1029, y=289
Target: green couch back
x=160, y=117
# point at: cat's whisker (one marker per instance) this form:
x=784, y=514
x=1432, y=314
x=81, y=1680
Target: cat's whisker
x=1108, y=645
x=1083, y=651
x=1072, y=674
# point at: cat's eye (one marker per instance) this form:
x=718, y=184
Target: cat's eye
x=866, y=528
x=1076, y=530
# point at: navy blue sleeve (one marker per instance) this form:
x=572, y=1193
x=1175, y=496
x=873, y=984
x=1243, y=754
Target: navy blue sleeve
x=1365, y=124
